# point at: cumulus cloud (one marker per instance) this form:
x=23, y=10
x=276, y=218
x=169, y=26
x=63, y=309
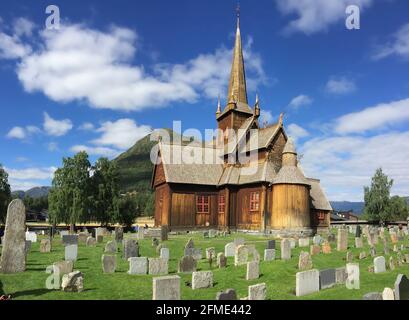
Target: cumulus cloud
x=316, y=15
x=299, y=101
x=96, y=151
x=86, y=126
x=296, y=132
x=77, y=63
x=346, y=164
x=340, y=85
x=24, y=179
x=397, y=46
x=17, y=133
x=55, y=127
x=380, y=116
x=121, y=134
x=23, y=27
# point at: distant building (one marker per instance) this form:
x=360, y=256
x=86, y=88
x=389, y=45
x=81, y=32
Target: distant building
x=344, y=215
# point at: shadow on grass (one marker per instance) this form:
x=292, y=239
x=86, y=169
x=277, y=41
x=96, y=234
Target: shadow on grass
x=33, y=292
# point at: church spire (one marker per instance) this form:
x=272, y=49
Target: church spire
x=237, y=84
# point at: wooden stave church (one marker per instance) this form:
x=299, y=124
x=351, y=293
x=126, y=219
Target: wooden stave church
x=277, y=198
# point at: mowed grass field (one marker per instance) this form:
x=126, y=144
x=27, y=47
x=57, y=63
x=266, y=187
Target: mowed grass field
x=278, y=275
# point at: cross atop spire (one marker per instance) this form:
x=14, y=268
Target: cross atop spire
x=237, y=84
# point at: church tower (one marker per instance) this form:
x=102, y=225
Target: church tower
x=237, y=110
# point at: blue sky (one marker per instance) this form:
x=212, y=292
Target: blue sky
x=115, y=70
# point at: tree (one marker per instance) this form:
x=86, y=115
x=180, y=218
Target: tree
x=105, y=191
x=71, y=193
x=377, y=197
x=5, y=194
x=398, y=208
x=127, y=210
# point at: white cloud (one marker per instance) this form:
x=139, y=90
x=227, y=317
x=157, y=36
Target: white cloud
x=296, y=132
x=121, y=134
x=316, y=15
x=86, y=126
x=266, y=116
x=31, y=173
x=340, y=85
x=12, y=48
x=376, y=117
x=77, y=63
x=346, y=164
x=17, y=133
x=398, y=46
x=55, y=127
x=23, y=27
x=299, y=101
x=52, y=146
x=96, y=151
x=22, y=159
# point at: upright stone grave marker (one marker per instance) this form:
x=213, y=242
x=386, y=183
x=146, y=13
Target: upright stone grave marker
x=229, y=294
x=253, y=270
x=229, y=249
x=353, y=280
x=164, y=230
x=257, y=292
x=327, y=278
x=307, y=282
x=402, y=287
x=13, y=258
x=119, y=234
x=158, y=266
x=342, y=240
x=379, y=264
x=202, y=279
x=166, y=288
x=285, y=249
x=187, y=264
x=138, y=265
x=131, y=249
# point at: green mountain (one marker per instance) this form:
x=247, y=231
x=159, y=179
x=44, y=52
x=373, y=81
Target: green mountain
x=36, y=192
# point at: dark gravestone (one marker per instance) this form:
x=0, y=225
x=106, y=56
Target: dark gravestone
x=331, y=237
x=70, y=239
x=402, y=287
x=327, y=278
x=131, y=249
x=13, y=257
x=187, y=264
x=271, y=244
x=164, y=230
x=119, y=234
x=155, y=242
x=358, y=231
x=229, y=294
x=373, y=296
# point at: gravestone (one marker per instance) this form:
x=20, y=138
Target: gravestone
x=331, y=237
x=379, y=264
x=359, y=243
x=71, y=252
x=253, y=270
x=221, y=260
x=155, y=242
x=362, y=255
x=159, y=247
x=271, y=244
x=73, y=282
x=138, y=265
x=229, y=294
x=238, y=241
x=402, y=287
x=304, y=261
x=341, y=275
x=285, y=249
x=166, y=288
x=63, y=267
x=292, y=243
x=91, y=242
x=353, y=279
x=164, y=230
x=372, y=296
x=70, y=239
x=111, y=247
x=13, y=257
x=141, y=234
x=131, y=249
x=119, y=234
x=392, y=263
x=304, y=242
x=257, y=292
x=189, y=248
x=158, y=266
x=327, y=278
x=187, y=264
x=307, y=282
x=326, y=247
x=164, y=253
x=64, y=233
x=388, y=294
x=31, y=236
x=82, y=237
x=27, y=247
x=108, y=263
x=100, y=238
x=394, y=238
x=202, y=279
x=229, y=249
x=349, y=256
x=317, y=239
x=372, y=251
x=210, y=252
x=315, y=249
x=244, y=254
x=342, y=240
x=269, y=254
x=358, y=231
x=45, y=245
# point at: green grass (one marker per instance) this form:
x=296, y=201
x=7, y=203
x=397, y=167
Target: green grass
x=278, y=275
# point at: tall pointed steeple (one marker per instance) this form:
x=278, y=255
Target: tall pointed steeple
x=237, y=84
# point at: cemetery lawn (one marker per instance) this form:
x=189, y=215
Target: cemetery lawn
x=278, y=275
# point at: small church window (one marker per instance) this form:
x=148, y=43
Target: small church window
x=321, y=216
x=222, y=203
x=254, y=201
x=202, y=204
